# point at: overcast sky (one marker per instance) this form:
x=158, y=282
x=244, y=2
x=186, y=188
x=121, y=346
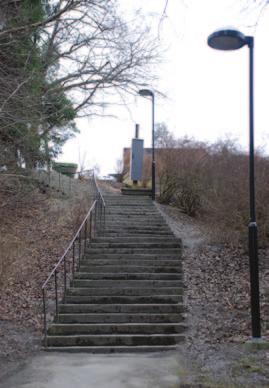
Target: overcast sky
x=207, y=90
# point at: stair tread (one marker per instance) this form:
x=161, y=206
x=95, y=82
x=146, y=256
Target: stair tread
x=116, y=335
x=120, y=313
x=120, y=304
x=162, y=324
x=126, y=295
x=113, y=349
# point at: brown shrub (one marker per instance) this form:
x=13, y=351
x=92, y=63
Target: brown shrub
x=212, y=182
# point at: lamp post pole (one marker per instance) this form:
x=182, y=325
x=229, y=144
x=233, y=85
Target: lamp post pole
x=234, y=40
x=153, y=171
x=149, y=93
x=252, y=227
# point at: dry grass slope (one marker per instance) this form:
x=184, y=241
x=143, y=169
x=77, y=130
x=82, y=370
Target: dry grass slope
x=36, y=225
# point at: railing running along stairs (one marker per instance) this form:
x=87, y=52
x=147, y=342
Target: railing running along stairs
x=60, y=277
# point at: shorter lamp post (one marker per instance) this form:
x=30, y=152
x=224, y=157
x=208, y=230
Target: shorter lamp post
x=234, y=40
x=149, y=93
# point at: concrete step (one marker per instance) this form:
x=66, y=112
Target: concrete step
x=122, y=212
x=137, y=260
x=160, y=251
x=147, y=241
x=136, y=192
x=138, y=224
x=132, y=245
x=115, y=340
x=120, y=318
x=127, y=276
x=134, y=256
x=126, y=291
x=139, y=206
x=141, y=234
x=151, y=220
x=136, y=227
x=128, y=205
x=120, y=328
x=152, y=253
x=132, y=226
x=127, y=295
x=111, y=349
x=123, y=299
x=121, y=308
x=81, y=283
x=132, y=210
x=132, y=230
x=132, y=207
x=136, y=239
x=150, y=262
x=135, y=218
x=134, y=222
x=120, y=199
x=164, y=255
x=134, y=269
x=151, y=217
x=130, y=202
x=137, y=232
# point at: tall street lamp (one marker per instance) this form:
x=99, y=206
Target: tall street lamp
x=149, y=93
x=233, y=40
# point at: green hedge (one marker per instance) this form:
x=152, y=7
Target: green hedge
x=68, y=169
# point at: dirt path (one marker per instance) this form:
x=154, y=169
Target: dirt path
x=192, y=234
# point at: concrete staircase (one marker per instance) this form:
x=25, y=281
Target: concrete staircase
x=127, y=294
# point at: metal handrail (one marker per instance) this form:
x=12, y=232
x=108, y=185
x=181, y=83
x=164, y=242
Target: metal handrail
x=98, y=190
x=92, y=224
x=100, y=199
x=70, y=245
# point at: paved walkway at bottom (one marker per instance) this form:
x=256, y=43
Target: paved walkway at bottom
x=61, y=370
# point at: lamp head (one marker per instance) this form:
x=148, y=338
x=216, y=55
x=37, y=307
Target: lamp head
x=145, y=93
x=228, y=39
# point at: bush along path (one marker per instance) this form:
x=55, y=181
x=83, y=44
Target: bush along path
x=127, y=293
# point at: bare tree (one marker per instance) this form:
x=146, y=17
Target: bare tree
x=83, y=51
x=120, y=170
x=98, y=51
x=252, y=11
